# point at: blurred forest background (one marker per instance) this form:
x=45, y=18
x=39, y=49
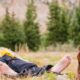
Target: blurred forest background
x=36, y=25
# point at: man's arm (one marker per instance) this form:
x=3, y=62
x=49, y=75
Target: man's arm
x=6, y=70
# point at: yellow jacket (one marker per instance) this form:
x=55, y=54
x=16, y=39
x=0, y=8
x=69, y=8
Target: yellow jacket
x=6, y=51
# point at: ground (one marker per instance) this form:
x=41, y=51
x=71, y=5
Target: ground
x=44, y=58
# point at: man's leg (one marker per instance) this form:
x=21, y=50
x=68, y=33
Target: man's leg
x=61, y=65
x=6, y=70
x=58, y=68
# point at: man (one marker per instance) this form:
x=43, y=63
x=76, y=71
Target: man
x=13, y=66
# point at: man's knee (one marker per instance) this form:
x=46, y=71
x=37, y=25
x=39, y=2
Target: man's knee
x=67, y=58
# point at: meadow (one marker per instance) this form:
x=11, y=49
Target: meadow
x=44, y=58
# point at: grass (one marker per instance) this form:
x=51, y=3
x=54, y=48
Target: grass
x=44, y=58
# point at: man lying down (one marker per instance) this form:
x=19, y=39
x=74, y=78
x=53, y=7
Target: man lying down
x=11, y=65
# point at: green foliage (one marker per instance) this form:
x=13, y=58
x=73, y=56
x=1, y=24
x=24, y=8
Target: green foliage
x=1, y=39
x=12, y=31
x=57, y=25
x=71, y=75
x=50, y=76
x=31, y=28
x=74, y=30
x=64, y=25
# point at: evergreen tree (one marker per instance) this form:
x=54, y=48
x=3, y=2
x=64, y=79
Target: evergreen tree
x=31, y=28
x=65, y=23
x=74, y=30
x=12, y=30
x=57, y=24
x=1, y=37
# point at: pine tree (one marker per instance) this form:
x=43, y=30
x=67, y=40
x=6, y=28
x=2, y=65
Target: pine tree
x=74, y=30
x=31, y=28
x=57, y=24
x=1, y=37
x=12, y=30
x=64, y=26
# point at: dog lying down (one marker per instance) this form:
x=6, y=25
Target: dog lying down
x=13, y=66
